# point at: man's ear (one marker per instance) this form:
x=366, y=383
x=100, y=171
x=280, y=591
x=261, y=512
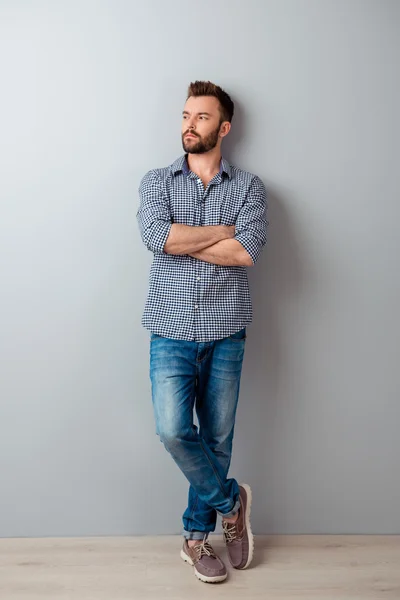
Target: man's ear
x=225, y=128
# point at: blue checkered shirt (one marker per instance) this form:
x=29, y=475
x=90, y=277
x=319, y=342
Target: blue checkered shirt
x=190, y=299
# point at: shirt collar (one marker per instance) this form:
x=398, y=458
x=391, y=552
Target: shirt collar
x=181, y=166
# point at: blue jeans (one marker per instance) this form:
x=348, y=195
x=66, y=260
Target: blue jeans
x=205, y=376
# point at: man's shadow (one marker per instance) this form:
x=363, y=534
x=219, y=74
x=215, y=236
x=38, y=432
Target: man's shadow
x=276, y=281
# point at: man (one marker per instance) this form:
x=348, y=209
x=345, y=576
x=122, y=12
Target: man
x=205, y=221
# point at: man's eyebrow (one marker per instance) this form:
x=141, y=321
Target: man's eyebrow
x=185, y=112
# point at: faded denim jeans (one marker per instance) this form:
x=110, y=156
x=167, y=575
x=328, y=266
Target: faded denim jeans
x=204, y=376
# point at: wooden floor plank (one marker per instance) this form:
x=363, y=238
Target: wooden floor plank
x=149, y=568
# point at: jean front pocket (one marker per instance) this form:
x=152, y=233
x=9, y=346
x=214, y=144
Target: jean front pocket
x=239, y=336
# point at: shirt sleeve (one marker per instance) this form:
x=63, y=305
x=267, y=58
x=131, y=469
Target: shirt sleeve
x=153, y=215
x=251, y=223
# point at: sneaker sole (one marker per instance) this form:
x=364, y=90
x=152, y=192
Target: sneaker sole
x=204, y=578
x=250, y=535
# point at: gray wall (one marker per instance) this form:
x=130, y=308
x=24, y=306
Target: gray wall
x=91, y=98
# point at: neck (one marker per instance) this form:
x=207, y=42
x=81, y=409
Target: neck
x=205, y=164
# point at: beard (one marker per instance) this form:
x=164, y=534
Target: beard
x=202, y=144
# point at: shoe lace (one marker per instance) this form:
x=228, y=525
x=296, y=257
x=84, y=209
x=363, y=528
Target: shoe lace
x=205, y=549
x=229, y=531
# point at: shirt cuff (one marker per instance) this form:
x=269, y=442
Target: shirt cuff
x=160, y=237
x=249, y=244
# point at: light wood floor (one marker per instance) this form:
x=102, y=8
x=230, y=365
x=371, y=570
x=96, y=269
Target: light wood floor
x=122, y=568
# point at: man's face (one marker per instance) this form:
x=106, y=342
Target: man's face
x=202, y=118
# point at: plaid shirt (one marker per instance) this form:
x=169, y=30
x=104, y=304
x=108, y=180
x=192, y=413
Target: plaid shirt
x=190, y=299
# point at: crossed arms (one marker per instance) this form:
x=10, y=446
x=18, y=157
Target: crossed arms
x=213, y=243
x=239, y=244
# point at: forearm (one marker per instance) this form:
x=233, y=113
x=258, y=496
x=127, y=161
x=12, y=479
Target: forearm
x=228, y=253
x=185, y=239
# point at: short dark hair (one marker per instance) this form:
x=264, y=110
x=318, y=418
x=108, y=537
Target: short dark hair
x=206, y=88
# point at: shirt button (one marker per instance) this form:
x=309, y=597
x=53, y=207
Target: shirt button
x=198, y=278
x=196, y=306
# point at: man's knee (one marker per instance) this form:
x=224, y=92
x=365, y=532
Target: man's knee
x=173, y=436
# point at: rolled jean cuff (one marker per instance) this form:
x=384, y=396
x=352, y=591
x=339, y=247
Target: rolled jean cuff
x=233, y=512
x=195, y=535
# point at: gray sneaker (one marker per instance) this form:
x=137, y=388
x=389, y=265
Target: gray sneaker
x=238, y=536
x=208, y=567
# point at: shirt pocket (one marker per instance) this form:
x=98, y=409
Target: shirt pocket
x=230, y=208
x=221, y=209
x=183, y=210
